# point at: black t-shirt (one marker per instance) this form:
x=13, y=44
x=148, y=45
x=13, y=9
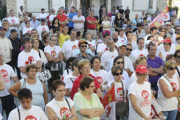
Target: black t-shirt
x=119, y=23
x=55, y=29
x=121, y=11
x=16, y=48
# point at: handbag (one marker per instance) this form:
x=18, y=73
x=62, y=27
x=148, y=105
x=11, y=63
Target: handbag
x=45, y=74
x=174, y=90
x=121, y=107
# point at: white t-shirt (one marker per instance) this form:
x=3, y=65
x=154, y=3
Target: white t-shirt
x=7, y=72
x=42, y=16
x=69, y=80
x=35, y=113
x=125, y=77
x=106, y=23
x=61, y=108
x=69, y=47
x=25, y=59
x=26, y=30
x=101, y=48
x=78, y=25
x=5, y=48
x=136, y=53
x=101, y=76
x=51, y=17
x=168, y=104
x=161, y=47
x=0, y=23
x=165, y=54
x=122, y=40
x=13, y=20
x=106, y=58
x=119, y=90
x=143, y=98
x=53, y=51
x=41, y=28
x=134, y=45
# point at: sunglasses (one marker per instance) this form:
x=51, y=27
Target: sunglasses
x=129, y=49
x=120, y=62
x=84, y=46
x=178, y=57
x=117, y=74
x=172, y=68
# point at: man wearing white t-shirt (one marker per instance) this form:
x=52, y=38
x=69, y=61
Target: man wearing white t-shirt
x=26, y=111
x=102, y=47
x=13, y=21
x=6, y=98
x=42, y=15
x=129, y=35
x=27, y=56
x=79, y=20
x=42, y=27
x=70, y=46
x=52, y=16
x=140, y=51
x=115, y=38
x=108, y=55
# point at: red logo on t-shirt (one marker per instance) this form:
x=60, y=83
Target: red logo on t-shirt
x=43, y=29
x=74, y=47
x=13, y=21
x=30, y=59
x=30, y=117
x=112, y=56
x=65, y=112
x=100, y=80
x=122, y=41
x=145, y=94
x=119, y=91
x=4, y=73
x=174, y=85
x=29, y=31
x=53, y=53
x=105, y=49
x=141, y=55
x=90, y=45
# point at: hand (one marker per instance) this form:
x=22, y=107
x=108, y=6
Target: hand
x=112, y=84
x=150, y=68
x=105, y=83
x=161, y=116
x=154, y=92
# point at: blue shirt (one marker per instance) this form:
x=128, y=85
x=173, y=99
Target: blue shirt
x=156, y=63
x=34, y=24
x=71, y=15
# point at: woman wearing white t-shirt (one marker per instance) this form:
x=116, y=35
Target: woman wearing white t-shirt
x=27, y=28
x=140, y=96
x=60, y=108
x=106, y=26
x=101, y=75
x=54, y=55
x=166, y=51
x=168, y=91
x=119, y=62
x=120, y=90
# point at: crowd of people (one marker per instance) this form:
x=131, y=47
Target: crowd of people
x=78, y=59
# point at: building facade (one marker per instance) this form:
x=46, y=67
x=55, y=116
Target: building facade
x=35, y=6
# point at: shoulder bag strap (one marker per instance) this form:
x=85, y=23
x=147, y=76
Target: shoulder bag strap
x=71, y=80
x=122, y=88
x=178, y=71
x=24, y=84
x=19, y=113
x=68, y=104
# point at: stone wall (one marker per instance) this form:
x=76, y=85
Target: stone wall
x=161, y=4
x=11, y=5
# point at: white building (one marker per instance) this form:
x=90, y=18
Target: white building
x=34, y=6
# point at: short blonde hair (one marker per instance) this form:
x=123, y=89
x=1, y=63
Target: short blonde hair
x=82, y=62
x=168, y=64
x=139, y=59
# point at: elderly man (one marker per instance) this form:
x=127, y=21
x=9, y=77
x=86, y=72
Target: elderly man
x=91, y=25
x=62, y=18
x=5, y=24
x=34, y=23
x=79, y=20
x=136, y=20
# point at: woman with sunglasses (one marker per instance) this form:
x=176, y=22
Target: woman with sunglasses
x=168, y=91
x=119, y=62
x=101, y=75
x=120, y=89
x=86, y=102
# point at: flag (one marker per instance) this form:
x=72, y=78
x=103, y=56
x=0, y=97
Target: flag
x=155, y=109
x=163, y=16
x=72, y=4
x=109, y=104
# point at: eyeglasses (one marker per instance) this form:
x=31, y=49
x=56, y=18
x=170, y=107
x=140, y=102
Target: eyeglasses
x=143, y=74
x=172, y=68
x=129, y=49
x=117, y=74
x=84, y=46
x=178, y=57
x=120, y=62
x=93, y=86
